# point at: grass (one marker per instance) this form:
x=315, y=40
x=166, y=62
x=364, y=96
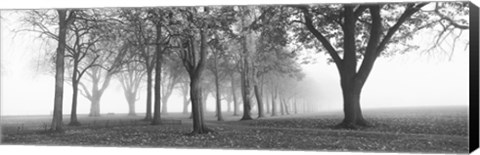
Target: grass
x=438, y=130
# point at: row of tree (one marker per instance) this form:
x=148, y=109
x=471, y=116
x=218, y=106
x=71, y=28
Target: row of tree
x=249, y=49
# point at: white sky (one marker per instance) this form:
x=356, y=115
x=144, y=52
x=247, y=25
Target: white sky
x=412, y=79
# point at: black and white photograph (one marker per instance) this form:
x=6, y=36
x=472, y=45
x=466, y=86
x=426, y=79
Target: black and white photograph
x=289, y=77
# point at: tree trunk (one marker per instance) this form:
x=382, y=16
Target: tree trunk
x=287, y=107
x=131, y=97
x=282, y=106
x=217, y=97
x=246, y=97
x=197, y=108
x=148, y=113
x=236, y=110
x=57, y=124
x=351, y=91
x=95, y=105
x=267, y=103
x=274, y=105
x=258, y=94
x=73, y=113
x=166, y=95
x=158, y=76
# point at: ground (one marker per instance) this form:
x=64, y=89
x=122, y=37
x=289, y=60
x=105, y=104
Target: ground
x=432, y=130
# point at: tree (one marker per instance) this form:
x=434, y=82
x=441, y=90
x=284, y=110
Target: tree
x=361, y=32
x=172, y=73
x=110, y=59
x=63, y=21
x=245, y=74
x=130, y=80
x=217, y=46
x=199, y=23
x=84, y=39
x=141, y=37
x=194, y=62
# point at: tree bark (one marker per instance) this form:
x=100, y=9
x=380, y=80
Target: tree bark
x=236, y=109
x=158, y=76
x=148, y=113
x=259, y=101
x=57, y=124
x=217, y=97
x=197, y=108
x=196, y=93
x=73, y=113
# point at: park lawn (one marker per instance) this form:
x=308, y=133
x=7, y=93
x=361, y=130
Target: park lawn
x=444, y=130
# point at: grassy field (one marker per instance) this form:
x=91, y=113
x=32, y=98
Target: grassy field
x=431, y=130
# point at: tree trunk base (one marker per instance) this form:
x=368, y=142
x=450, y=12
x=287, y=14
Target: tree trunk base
x=74, y=123
x=245, y=118
x=132, y=114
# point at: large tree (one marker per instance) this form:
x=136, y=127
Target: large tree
x=196, y=29
x=355, y=35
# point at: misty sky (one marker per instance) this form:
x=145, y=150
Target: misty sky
x=412, y=79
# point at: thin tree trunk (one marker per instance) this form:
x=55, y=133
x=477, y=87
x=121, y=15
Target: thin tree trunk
x=73, y=113
x=267, y=103
x=158, y=77
x=217, y=96
x=57, y=124
x=246, y=96
x=287, y=107
x=282, y=106
x=259, y=101
x=274, y=105
x=236, y=110
x=148, y=113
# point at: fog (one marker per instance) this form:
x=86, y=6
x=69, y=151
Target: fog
x=414, y=79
